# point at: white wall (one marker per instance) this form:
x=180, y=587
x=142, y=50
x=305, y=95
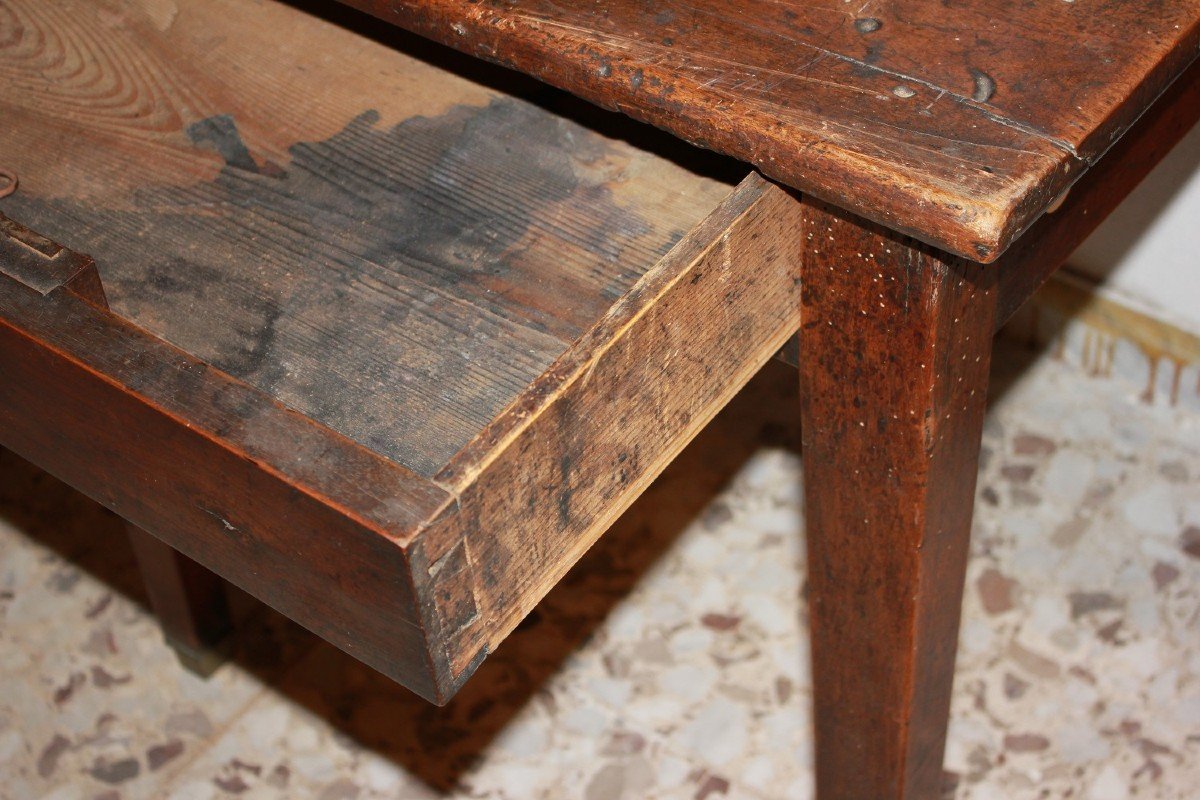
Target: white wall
x=1148, y=251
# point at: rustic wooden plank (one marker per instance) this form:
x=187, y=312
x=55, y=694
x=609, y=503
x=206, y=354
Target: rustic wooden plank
x=894, y=357
x=343, y=351
x=298, y=516
x=396, y=258
x=370, y=555
x=188, y=600
x=957, y=123
x=1029, y=262
x=544, y=481
x=391, y=567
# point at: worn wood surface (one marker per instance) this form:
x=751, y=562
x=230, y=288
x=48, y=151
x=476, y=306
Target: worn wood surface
x=545, y=480
x=396, y=258
x=391, y=354
x=46, y=266
x=955, y=122
x=1026, y=265
x=894, y=355
x=296, y=515
x=188, y=600
x=373, y=557
x=388, y=354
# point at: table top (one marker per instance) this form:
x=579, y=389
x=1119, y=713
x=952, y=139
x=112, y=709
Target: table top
x=957, y=122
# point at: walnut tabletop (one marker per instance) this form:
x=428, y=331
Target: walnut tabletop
x=957, y=123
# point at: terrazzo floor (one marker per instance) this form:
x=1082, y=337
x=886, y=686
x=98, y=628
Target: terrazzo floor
x=672, y=663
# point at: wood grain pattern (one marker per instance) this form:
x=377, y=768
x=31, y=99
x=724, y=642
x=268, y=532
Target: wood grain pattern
x=371, y=556
x=400, y=279
x=585, y=439
x=297, y=516
x=391, y=354
x=1028, y=264
x=392, y=378
x=894, y=358
x=955, y=122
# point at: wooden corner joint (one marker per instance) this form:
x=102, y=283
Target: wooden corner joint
x=452, y=612
x=453, y=587
x=43, y=265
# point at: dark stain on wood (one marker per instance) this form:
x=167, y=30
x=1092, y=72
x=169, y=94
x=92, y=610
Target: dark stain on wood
x=400, y=279
x=221, y=133
x=312, y=282
x=985, y=86
x=585, y=439
x=467, y=282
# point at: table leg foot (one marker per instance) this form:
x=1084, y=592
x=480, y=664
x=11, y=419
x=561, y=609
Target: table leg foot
x=189, y=601
x=894, y=352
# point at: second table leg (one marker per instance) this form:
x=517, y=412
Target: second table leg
x=187, y=598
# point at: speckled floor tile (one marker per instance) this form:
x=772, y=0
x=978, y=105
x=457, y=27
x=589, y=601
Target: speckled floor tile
x=672, y=662
x=94, y=704
x=1079, y=662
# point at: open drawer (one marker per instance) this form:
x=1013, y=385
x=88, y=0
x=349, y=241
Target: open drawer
x=372, y=334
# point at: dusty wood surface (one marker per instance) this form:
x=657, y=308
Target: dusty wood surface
x=294, y=514
x=955, y=122
x=396, y=258
x=387, y=354
x=894, y=357
x=546, y=479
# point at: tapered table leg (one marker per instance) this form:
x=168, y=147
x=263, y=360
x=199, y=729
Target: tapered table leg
x=894, y=353
x=189, y=601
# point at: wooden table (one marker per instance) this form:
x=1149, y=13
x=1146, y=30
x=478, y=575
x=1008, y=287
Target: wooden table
x=388, y=338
